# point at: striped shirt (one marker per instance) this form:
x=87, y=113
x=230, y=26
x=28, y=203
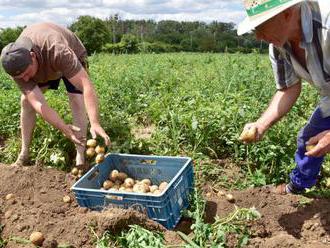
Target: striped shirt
x=315, y=41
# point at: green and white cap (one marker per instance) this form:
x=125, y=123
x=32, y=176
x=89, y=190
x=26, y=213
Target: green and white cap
x=259, y=11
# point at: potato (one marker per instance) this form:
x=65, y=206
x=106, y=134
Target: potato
x=74, y=171
x=107, y=184
x=230, y=197
x=37, y=238
x=90, y=152
x=122, y=188
x=118, y=182
x=153, y=188
x=221, y=193
x=99, y=149
x=248, y=135
x=99, y=158
x=129, y=182
x=310, y=147
x=122, y=176
x=10, y=196
x=140, y=188
x=162, y=186
x=67, y=199
x=157, y=192
x=91, y=143
x=146, y=181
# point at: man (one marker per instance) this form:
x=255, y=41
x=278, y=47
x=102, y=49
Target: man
x=43, y=55
x=299, y=49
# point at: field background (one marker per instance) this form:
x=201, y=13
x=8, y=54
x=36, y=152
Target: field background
x=193, y=104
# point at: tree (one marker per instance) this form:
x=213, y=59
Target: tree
x=92, y=31
x=8, y=35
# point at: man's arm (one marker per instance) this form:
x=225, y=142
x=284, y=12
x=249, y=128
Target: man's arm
x=38, y=102
x=281, y=103
x=81, y=81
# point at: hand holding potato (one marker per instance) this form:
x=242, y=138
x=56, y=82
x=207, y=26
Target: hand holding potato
x=251, y=133
x=98, y=130
x=319, y=145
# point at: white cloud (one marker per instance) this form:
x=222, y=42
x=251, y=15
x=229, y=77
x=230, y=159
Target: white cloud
x=20, y=13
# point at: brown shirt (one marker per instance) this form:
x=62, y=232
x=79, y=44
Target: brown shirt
x=59, y=53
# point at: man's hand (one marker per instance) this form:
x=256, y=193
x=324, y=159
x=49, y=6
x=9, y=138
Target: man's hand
x=321, y=143
x=98, y=130
x=252, y=132
x=69, y=132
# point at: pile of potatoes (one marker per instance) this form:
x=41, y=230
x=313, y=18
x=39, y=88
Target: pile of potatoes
x=119, y=181
x=94, y=149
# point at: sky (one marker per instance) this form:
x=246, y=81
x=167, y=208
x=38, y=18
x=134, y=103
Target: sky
x=15, y=13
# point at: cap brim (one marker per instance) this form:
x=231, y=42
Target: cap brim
x=24, y=42
x=249, y=23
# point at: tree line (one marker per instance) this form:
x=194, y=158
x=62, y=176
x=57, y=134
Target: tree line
x=114, y=35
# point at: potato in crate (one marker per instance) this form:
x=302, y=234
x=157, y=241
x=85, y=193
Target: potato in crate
x=157, y=185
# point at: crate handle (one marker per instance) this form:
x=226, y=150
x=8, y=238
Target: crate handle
x=148, y=161
x=114, y=197
x=143, y=209
x=94, y=175
x=180, y=180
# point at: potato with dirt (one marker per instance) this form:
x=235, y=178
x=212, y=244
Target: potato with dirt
x=37, y=238
x=91, y=143
x=249, y=134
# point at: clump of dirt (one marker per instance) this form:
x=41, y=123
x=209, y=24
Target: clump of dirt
x=287, y=220
x=37, y=205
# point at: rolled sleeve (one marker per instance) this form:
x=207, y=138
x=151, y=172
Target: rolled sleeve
x=284, y=73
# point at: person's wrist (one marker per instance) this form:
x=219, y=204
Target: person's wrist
x=262, y=127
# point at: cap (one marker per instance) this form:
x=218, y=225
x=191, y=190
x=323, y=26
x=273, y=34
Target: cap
x=259, y=11
x=16, y=57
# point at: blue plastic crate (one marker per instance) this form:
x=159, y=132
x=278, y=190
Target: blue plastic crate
x=164, y=208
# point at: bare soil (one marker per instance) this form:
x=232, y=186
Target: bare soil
x=37, y=205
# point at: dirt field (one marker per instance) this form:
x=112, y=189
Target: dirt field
x=37, y=205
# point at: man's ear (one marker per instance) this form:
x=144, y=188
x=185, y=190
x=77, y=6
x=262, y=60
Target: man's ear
x=33, y=55
x=287, y=14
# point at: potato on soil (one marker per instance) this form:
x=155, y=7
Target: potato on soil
x=67, y=199
x=249, y=135
x=107, y=184
x=74, y=171
x=37, y=238
x=10, y=196
x=90, y=152
x=91, y=143
x=99, y=149
x=162, y=186
x=230, y=197
x=221, y=193
x=99, y=158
